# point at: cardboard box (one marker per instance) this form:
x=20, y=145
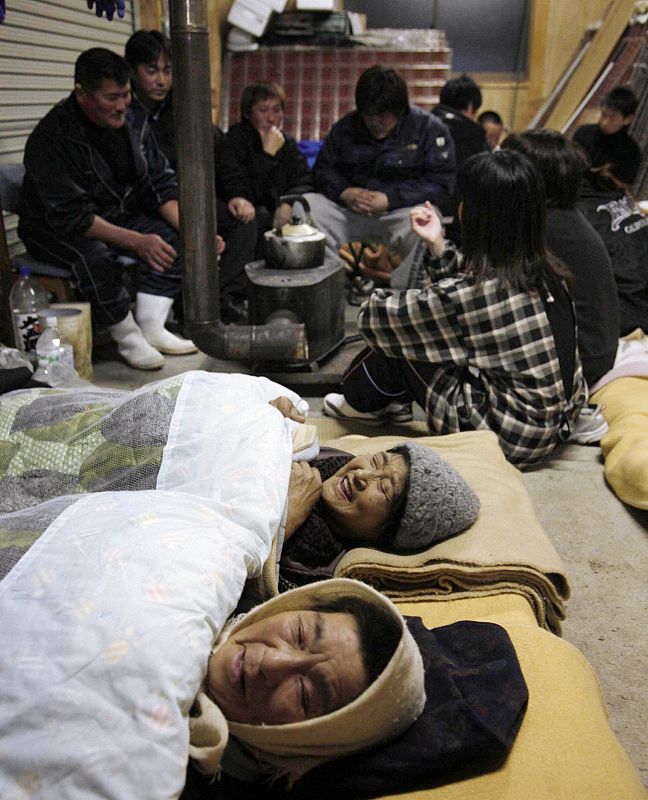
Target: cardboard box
x=277, y=5
x=250, y=15
x=320, y=5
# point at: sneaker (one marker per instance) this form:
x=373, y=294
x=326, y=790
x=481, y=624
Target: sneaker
x=334, y=405
x=358, y=289
x=590, y=426
x=399, y=412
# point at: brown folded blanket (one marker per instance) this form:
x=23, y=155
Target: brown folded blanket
x=505, y=551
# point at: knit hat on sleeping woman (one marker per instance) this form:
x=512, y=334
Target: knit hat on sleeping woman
x=438, y=504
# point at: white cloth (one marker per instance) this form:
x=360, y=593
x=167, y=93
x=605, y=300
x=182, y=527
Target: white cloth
x=109, y=618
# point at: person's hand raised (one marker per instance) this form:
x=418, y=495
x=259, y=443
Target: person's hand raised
x=272, y=140
x=426, y=223
x=304, y=490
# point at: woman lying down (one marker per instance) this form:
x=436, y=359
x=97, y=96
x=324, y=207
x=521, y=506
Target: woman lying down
x=114, y=605
x=401, y=500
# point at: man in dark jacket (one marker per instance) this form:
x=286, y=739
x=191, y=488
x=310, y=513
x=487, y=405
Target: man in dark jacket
x=148, y=54
x=93, y=192
x=460, y=99
x=608, y=143
x=267, y=159
x=377, y=162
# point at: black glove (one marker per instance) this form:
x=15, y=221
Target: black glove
x=108, y=7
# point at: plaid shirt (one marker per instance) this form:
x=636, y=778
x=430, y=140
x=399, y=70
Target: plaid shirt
x=498, y=363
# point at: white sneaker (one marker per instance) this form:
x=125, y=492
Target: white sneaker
x=590, y=426
x=399, y=412
x=334, y=405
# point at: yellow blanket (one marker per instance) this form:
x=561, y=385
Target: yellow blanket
x=565, y=749
x=625, y=445
x=505, y=551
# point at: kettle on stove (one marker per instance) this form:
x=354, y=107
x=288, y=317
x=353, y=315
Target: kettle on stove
x=298, y=244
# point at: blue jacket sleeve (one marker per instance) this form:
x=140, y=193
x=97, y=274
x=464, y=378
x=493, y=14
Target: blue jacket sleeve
x=327, y=177
x=437, y=180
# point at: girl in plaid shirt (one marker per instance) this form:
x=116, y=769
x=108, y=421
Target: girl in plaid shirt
x=489, y=341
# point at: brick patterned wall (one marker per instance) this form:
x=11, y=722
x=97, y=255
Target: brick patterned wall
x=320, y=82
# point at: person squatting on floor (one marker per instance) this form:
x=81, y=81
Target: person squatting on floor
x=376, y=163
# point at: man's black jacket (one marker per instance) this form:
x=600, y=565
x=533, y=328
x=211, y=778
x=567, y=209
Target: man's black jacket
x=67, y=182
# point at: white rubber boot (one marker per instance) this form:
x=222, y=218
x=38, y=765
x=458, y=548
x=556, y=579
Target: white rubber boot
x=152, y=311
x=133, y=347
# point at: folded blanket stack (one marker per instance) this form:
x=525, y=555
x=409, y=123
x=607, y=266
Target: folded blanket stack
x=505, y=551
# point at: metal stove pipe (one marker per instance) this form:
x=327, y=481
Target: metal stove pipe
x=281, y=340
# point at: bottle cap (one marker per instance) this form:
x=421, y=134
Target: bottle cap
x=24, y=272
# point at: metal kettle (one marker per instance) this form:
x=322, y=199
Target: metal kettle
x=298, y=244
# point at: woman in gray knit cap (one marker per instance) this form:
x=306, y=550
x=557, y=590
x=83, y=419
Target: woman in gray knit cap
x=399, y=500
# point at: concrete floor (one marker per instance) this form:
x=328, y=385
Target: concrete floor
x=603, y=543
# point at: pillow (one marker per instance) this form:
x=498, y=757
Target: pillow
x=625, y=445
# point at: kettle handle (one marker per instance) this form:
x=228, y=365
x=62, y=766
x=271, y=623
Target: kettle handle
x=298, y=198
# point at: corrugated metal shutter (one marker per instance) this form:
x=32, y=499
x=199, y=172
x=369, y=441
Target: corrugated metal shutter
x=39, y=43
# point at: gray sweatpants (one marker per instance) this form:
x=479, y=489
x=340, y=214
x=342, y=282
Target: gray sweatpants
x=341, y=225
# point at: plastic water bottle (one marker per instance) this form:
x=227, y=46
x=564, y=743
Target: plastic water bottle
x=55, y=355
x=27, y=297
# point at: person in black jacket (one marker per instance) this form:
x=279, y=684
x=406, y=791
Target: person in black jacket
x=460, y=100
x=616, y=217
x=376, y=163
x=268, y=161
x=94, y=191
x=148, y=54
x=571, y=237
x=608, y=143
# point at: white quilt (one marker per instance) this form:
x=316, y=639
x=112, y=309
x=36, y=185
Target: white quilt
x=108, y=620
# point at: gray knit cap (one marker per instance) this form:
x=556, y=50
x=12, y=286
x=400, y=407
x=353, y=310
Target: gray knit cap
x=439, y=502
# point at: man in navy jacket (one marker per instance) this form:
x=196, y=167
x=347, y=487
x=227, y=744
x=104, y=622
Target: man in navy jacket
x=377, y=162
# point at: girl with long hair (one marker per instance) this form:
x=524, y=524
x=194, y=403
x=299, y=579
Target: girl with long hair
x=489, y=342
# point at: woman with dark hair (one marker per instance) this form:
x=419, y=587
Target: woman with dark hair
x=490, y=340
x=574, y=241
x=267, y=158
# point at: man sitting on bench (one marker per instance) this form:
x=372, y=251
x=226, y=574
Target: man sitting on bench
x=92, y=193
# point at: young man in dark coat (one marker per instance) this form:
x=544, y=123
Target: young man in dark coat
x=268, y=161
x=608, y=142
x=460, y=100
x=148, y=54
x=95, y=191
x=377, y=162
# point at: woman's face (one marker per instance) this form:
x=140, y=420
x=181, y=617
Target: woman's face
x=267, y=113
x=361, y=498
x=288, y=668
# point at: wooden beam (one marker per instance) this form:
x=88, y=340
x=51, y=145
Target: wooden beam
x=595, y=59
